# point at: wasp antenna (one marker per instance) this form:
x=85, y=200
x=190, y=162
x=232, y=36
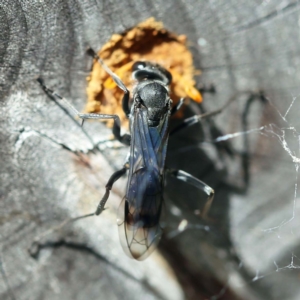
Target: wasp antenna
x=114, y=76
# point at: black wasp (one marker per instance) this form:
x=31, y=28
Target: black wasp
x=149, y=110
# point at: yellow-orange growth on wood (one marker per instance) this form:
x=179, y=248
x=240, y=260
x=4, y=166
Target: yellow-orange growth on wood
x=148, y=41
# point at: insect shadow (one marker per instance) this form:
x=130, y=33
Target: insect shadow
x=149, y=110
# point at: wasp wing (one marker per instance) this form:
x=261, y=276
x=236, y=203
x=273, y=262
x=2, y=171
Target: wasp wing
x=140, y=209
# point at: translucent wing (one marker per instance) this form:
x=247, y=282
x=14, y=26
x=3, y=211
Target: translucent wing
x=140, y=209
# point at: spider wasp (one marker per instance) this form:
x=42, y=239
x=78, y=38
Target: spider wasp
x=149, y=110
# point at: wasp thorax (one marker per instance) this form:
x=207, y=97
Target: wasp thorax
x=155, y=97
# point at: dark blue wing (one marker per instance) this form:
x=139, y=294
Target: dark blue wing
x=140, y=209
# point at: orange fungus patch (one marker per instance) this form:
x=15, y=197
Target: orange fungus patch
x=148, y=41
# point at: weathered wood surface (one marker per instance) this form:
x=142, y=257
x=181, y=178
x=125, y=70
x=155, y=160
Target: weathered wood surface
x=239, y=45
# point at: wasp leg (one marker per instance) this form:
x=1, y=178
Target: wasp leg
x=125, y=139
x=53, y=98
x=244, y=154
x=177, y=106
x=57, y=142
x=116, y=79
x=35, y=246
x=225, y=145
x=197, y=118
x=190, y=179
x=113, y=178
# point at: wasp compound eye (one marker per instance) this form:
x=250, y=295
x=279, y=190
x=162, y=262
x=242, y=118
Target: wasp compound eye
x=169, y=76
x=139, y=65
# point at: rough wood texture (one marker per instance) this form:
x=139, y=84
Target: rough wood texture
x=252, y=239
